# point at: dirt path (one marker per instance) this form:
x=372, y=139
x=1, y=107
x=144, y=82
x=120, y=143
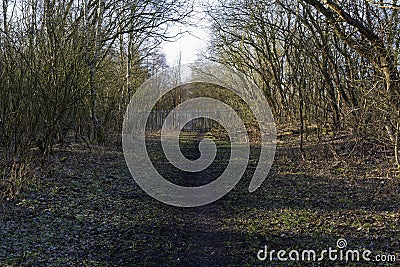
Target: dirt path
x=90, y=212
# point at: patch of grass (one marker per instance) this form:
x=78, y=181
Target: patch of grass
x=88, y=211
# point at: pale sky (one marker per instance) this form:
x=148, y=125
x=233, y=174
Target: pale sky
x=191, y=43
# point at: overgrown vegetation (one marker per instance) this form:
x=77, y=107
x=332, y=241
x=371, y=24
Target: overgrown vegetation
x=71, y=67
x=330, y=71
x=333, y=64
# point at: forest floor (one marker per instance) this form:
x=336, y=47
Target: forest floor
x=88, y=211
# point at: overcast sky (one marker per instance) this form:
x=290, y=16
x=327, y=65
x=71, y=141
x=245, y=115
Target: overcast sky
x=191, y=43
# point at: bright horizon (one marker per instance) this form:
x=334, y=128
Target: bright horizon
x=189, y=44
